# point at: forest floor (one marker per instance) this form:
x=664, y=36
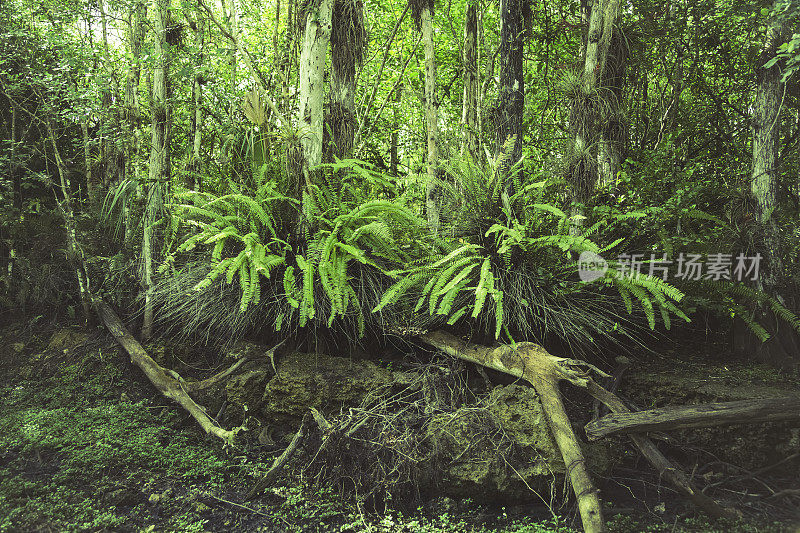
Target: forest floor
x=86, y=444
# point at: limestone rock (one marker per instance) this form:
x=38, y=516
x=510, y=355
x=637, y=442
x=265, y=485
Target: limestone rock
x=493, y=451
x=314, y=380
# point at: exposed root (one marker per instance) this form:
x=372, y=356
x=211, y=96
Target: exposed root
x=167, y=382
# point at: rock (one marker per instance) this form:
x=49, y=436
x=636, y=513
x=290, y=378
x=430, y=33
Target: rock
x=477, y=447
x=244, y=393
x=502, y=451
x=315, y=380
x=65, y=340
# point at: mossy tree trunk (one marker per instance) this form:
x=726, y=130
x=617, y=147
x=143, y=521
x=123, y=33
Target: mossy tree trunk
x=469, y=112
x=159, y=156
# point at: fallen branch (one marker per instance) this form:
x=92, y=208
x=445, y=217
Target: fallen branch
x=663, y=465
x=696, y=416
x=165, y=381
x=280, y=461
x=532, y=363
x=194, y=386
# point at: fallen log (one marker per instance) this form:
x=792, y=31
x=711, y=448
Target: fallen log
x=696, y=416
x=532, y=363
x=535, y=365
x=664, y=466
x=167, y=382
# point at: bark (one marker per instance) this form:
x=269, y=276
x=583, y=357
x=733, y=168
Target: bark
x=312, y=68
x=347, y=46
x=431, y=117
x=696, y=416
x=159, y=155
x=469, y=111
x=582, y=172
x=532, y=363
x=511, y=100
x=167, y=382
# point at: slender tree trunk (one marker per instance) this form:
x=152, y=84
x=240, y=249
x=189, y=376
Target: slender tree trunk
x=431, y=115
x=310, y=117
x=583, y=118
x=511, y=100
x=611, y=144
x=232, y=18
x=469, y=112
x=136, y=30
x=65, y=206
x=197, y=102
x=394, y=156
x=347, y=47
x=13, y=170
x=87, y=154
x=159, y=154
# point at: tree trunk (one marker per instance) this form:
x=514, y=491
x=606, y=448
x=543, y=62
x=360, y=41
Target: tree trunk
x=511, y=100
x=582, y=172
x=231, y=13
x=13, y=171
x=347, y=47
x=469, y=111
x=612, y=131
x=766, y=135
x=87, y=154
x=310, y=118
x=159, y=155
x=197, y=102
x=394, y=155
x=431, y=116
x=132, y=114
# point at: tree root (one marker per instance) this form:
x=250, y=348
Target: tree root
x=166, y=381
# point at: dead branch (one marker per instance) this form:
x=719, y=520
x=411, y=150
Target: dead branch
x=280, y=461
x=696, y=416
x=163, y=380
x=532, y=363
x=194, y=386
